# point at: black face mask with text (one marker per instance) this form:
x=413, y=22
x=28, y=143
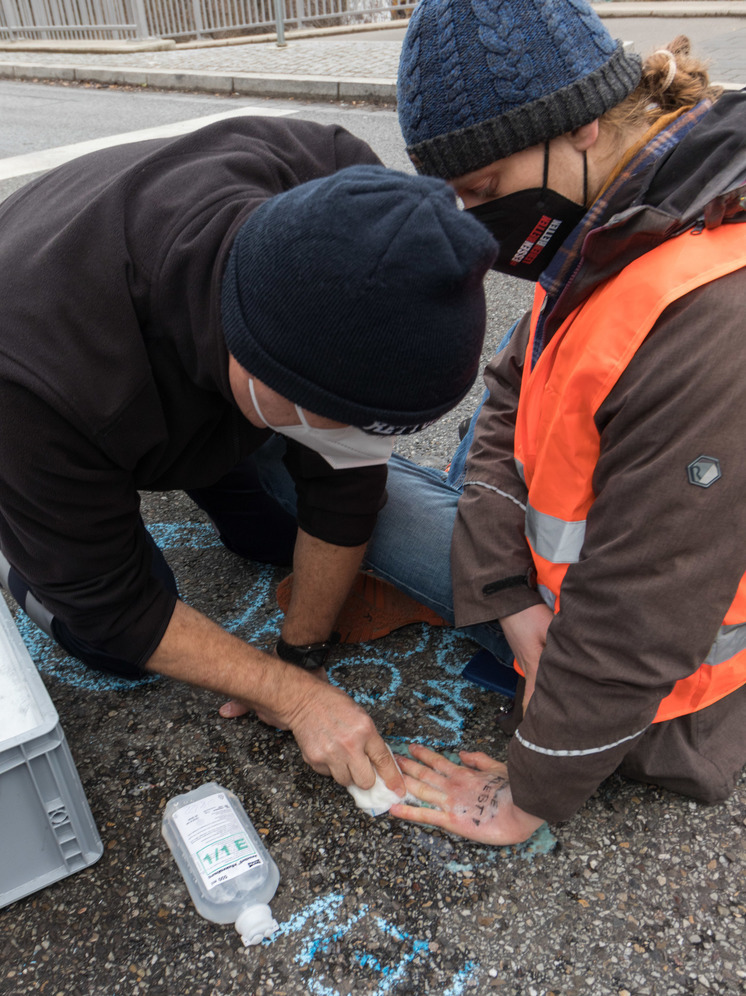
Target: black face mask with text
x=530, y=225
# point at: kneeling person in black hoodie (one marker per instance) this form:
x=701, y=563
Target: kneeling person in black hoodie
x=167, y=306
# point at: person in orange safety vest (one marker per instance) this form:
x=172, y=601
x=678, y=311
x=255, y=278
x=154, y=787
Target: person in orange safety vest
x=602, y=522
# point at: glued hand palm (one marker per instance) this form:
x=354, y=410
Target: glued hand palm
x=472, y=799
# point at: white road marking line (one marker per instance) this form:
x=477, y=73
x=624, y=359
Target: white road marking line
x=37, y=162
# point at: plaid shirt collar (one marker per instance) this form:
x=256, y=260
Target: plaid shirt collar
x=569, y=258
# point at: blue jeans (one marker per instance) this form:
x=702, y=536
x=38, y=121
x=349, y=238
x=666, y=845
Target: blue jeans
x=411, y=544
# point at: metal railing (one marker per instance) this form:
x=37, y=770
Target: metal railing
x=70, y=19
x=180, y=19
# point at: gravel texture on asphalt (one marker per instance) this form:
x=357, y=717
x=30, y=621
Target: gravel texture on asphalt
x=640, y=894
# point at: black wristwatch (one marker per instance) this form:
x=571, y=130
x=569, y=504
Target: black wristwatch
x=309, y=656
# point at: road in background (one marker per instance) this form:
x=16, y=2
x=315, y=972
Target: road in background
x=38, y=118
x=357, y=65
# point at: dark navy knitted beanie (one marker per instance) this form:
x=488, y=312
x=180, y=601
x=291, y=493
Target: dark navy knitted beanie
x=359, y=297
x=482, y=79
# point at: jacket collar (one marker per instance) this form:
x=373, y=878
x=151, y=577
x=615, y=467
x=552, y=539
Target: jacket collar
x=693, y=172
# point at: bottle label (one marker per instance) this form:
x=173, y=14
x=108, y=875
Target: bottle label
x=215, y=838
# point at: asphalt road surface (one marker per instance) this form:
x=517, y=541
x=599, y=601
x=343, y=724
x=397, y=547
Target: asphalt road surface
x=640, y=894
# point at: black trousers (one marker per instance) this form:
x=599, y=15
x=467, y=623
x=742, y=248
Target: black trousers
x=249, y=523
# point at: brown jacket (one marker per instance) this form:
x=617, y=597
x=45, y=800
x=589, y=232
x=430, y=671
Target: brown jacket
x=655, y=577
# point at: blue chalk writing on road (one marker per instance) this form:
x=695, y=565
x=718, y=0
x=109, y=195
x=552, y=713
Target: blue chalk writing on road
x=320, y=910
x=46, y=655
x=323, y=925
x=456, y=867
x=170, y=535
x=255, y=617
x=258, y=626
x=458, y=984
x=445, y=698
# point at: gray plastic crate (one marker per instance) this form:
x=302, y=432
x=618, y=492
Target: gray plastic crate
x=46, y=828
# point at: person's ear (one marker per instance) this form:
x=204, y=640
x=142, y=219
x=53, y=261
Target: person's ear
x=584, y=137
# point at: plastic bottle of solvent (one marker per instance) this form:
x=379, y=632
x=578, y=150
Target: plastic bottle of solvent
x=228, y=871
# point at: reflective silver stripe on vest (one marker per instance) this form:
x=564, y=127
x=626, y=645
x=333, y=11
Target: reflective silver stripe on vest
x=560, y=542
x=548, y=595
x=555, y=540
x=519, y=468
x=729, y=641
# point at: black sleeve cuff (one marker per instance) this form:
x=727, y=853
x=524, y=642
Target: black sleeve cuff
x=336, y=506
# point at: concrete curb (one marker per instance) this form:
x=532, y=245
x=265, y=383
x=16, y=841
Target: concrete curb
x=246, y=84
x=263, y=84
x=90, y=46
x=243, y=84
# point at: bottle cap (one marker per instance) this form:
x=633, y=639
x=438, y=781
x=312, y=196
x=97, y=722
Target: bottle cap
x=255, y=923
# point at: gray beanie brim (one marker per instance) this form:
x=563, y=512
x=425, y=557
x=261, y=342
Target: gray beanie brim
x=465, y=150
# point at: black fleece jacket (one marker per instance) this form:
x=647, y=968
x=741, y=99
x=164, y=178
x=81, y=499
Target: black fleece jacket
x=114, y=371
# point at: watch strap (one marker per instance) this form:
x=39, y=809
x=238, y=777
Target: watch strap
x=308, y=656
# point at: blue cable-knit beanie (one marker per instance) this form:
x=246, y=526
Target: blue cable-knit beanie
x=482, y=79
x=359, y=297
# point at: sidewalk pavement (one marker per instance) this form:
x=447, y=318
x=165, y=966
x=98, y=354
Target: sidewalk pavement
x=346, y=64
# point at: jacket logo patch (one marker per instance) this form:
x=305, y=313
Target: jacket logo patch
x=704, y=471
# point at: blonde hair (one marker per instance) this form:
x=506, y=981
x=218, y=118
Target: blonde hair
x=672, y=79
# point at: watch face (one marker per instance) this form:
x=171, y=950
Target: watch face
x=313, y=660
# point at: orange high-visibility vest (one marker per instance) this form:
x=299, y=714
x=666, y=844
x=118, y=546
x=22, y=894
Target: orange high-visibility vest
x=557, y=442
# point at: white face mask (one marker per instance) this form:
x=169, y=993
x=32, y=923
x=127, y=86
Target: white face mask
x=341, y=448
